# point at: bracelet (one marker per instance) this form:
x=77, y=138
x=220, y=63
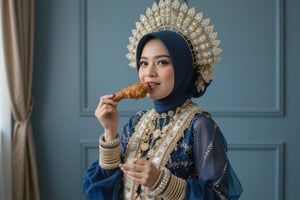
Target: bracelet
x=176, y=189
x=162, y=186
x=109, y=158
x=109, y=144
x=183, y=195
x=108, y=151
x=158, y=180
x=109, y=166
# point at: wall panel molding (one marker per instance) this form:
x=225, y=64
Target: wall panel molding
x=277, y=149
x=274, y=108
x=89, y=149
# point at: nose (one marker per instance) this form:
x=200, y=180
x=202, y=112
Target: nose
x=151, y=70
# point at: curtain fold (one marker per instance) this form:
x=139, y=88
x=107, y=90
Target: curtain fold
x=18, y=42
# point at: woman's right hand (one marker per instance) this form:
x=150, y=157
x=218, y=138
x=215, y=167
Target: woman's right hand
x=107, y=114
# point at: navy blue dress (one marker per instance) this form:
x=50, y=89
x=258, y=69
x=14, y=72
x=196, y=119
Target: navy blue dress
x=200, y=157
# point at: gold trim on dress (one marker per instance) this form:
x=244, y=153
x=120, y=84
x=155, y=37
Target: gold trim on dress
x=166, y=144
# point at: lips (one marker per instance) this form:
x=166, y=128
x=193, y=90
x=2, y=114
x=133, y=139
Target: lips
x=153, y=85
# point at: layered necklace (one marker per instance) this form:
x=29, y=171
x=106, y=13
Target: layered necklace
x=155, y=132
x=154, y=129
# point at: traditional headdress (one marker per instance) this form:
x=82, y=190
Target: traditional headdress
x=203, y=43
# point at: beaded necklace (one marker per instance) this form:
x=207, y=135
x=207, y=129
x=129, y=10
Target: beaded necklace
x=157, y=129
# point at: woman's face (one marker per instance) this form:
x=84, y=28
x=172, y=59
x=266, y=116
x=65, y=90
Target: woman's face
x=156, y=68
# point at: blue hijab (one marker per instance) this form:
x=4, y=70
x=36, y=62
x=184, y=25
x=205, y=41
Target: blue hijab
x=180, y=53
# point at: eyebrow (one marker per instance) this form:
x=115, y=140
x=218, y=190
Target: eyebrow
x=158, y=56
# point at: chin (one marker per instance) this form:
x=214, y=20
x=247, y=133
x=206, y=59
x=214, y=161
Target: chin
x=155, y=97
x=152, y=97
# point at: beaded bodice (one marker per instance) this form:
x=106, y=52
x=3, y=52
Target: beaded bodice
x=155, y=137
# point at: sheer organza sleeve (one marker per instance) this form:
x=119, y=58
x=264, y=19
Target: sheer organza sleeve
x=216, y=178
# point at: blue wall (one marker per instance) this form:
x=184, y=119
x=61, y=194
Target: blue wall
x=80, y=49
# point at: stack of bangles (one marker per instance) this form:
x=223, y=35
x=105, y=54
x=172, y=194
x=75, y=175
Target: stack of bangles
x=109, y=153
x=168, y=186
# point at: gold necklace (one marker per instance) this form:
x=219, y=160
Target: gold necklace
x=157, y=129
x=142, y=134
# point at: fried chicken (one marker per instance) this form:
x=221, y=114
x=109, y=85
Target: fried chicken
x=135, y=91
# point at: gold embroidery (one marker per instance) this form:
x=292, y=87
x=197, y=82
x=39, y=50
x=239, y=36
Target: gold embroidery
x=162, y=147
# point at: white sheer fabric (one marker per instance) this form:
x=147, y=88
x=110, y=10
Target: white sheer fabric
x=5, y=132
x=5, y=145
x=2, y=189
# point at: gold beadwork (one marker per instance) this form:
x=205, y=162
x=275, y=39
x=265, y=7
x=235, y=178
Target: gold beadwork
x=168, y=15
x=162, y=151
x=153, y=135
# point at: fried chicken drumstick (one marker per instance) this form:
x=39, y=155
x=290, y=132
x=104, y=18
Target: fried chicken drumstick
x=135, y=91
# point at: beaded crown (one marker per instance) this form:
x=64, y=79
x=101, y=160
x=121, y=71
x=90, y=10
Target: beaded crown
x=200, y=35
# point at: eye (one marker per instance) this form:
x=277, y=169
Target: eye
x=143, y=63
x=163, y=62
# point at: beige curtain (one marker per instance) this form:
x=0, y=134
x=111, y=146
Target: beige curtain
x=18, y=38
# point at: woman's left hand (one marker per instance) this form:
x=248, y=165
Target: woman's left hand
x=141, y=171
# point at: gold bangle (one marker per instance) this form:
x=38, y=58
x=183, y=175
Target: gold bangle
x=183, y=195
x=158, y=180
x=162, y=185
x=109, y=158
x=109, y=166
x=109, y=144
x=170, y=190
x=109, y=151
x=175, y=189
x=109, y=161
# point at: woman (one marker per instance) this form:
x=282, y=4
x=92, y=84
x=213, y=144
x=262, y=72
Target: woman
x=198, y=163
x=173, y=151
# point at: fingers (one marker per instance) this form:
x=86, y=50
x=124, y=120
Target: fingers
x=107, y=114
x=134, y=172
x=141, y=171
x=132, y=167
x=106, y=99
x=106, y=104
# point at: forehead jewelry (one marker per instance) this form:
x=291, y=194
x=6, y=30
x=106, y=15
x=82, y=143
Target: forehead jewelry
x=171, y=15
